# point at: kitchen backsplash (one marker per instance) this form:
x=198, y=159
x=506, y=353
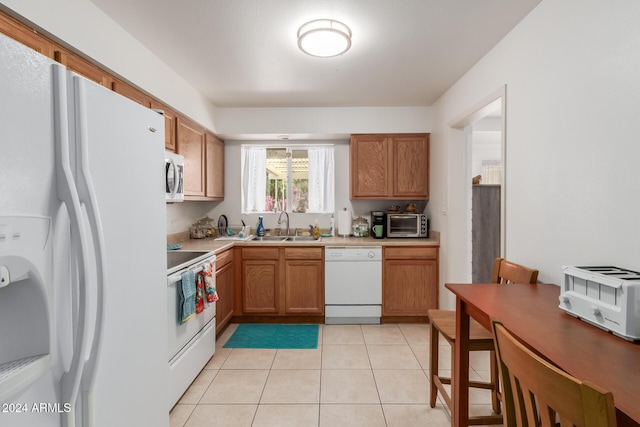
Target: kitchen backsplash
x=180, y=216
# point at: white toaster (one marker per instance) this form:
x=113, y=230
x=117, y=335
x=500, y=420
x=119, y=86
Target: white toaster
x=607, y=297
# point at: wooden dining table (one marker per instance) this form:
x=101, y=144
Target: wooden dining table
x=532, y=314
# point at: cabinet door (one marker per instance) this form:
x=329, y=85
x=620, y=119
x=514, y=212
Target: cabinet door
x=215, y=167
x=410, y=281
x=25, y=35
x=304, y=292
x=84, y=68
x=369, y=157
x=410, y=167
x=191, y=143
x=169, y=125
x=260, y=286
x=224, y=288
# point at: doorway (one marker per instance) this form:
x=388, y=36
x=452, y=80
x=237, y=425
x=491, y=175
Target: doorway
x=483, y=180
x=485, y=191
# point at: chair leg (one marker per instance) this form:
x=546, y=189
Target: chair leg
x=433, y=365
x=495, y=380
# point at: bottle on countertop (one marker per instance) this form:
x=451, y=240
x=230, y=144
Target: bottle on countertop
x=332, y=226
x=316, y=231
x=260, y=229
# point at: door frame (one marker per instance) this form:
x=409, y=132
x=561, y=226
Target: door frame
x=462, y=122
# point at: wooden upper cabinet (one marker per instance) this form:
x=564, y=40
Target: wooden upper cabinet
x=191, y=145
x=214, y=167
x=83, y=67
x=131, y=93
x=369, y=157
x=387, y=167
x=410, y=167
x=25, y=35
x=170, y=119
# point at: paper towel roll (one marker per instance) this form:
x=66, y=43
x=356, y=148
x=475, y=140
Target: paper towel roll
x=344, y=223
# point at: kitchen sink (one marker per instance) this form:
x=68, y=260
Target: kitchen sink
x=302, y=239
x=286, y=239
x=271, y=238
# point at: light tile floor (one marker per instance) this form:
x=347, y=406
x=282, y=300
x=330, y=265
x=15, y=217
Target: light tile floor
x=360, y=375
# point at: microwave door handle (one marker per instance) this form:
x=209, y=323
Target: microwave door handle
x=171, y=171
x=176, y=177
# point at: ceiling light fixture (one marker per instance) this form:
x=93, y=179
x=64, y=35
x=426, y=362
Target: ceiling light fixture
x=324, y=38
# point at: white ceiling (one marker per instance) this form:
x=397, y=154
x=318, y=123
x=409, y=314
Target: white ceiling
x=244, y=53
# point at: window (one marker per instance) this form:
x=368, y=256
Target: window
x=293, y=178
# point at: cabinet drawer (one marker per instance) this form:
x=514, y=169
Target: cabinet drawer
x=259, y=253
x=303, y=253
x=410, y=252
x=224, y=258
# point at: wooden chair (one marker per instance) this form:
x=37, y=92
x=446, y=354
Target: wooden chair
x=537, y=394
x=443, y=322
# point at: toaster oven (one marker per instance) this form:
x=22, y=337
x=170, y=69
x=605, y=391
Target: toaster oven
x=607, y=297
x=407, y=225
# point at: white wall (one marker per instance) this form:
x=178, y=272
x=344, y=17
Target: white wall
x=330, y=123
x=573, y=96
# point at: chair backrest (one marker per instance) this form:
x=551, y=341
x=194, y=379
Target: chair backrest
x=537, y=394
x=508, y=272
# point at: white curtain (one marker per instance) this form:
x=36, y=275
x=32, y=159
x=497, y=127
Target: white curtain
x=321, y=179
x=254, y=179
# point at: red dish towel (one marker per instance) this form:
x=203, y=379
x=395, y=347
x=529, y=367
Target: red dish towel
x=212, y=295
x=199, y=293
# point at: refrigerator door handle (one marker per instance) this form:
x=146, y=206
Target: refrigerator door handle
x=88, y=198
x=67, y=193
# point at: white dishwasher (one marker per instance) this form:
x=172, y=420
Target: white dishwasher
x=353, y=284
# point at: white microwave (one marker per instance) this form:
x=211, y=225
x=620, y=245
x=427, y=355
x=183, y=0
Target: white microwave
x=407, y=225
x=173, y=177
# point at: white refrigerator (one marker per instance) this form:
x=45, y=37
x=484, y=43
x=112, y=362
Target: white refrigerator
x=82, y=251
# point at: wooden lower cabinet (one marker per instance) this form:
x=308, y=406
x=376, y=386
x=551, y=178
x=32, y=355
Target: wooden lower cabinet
x=260, y=280
x=224, y=288
x=280, y=281
x=304, y=281
x=261, y=287
x=410, y=280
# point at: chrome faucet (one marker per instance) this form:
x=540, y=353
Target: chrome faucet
x=280, y=220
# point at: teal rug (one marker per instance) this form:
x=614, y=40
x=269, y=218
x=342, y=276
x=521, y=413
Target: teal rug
x=274, y=336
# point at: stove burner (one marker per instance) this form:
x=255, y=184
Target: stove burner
x=176, y=258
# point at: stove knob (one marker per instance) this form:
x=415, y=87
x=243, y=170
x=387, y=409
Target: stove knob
x=564, y=299
x=371, y=254
x=595, y=311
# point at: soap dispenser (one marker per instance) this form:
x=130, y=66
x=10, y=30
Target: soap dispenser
x=260, y=230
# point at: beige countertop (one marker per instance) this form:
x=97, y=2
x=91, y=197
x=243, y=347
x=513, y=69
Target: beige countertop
x=210, y=244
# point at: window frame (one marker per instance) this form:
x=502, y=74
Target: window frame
x=289, y=148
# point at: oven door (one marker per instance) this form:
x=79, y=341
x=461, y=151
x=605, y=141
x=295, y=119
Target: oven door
x=173, y=177
x=179, y=333
x=403, y=225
